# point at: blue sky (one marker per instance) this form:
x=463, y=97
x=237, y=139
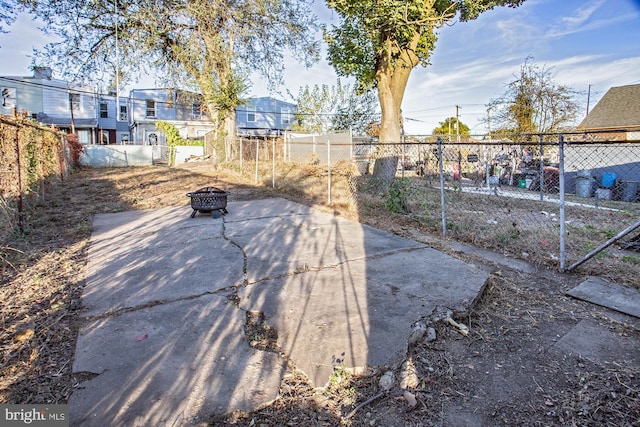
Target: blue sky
x=582, y=42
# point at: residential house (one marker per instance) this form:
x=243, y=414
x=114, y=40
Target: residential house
x=182, y=109
x=52, y=102
x=618, y=110
x=113, y=119
x=613, y=130
x=264, y=116
x=107, y=119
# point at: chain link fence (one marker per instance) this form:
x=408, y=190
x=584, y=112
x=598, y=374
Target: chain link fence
x=551, y=199
x=31, y=157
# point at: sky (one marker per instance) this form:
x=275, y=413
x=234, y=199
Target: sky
x=588, y=45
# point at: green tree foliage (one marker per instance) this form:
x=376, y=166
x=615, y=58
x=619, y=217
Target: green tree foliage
x=171, y=132
x=326, y=108
x=205, y=45
x=448, y=127
x=533, y=103
x=380, y=42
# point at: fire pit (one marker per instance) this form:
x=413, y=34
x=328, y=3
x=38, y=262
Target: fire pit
x=209, y=199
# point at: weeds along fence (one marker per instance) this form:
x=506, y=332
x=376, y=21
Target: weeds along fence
x=31, y=158
x=552, y=199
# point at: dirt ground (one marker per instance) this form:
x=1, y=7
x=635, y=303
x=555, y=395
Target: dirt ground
x=508, y=371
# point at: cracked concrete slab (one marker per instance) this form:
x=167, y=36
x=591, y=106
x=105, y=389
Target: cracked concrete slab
x=139, y=258
x=170, y=364
x=164, y=345
x=599, y=344
x=281, y=244
x=360, y=313
x=611, y=295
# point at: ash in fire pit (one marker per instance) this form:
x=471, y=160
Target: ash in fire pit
x=209, y=199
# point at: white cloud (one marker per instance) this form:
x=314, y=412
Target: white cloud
x=586, y=19
x=434, y=92
x=582, y=14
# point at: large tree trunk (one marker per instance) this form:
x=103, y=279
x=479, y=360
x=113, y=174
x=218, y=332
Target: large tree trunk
x=392, y=81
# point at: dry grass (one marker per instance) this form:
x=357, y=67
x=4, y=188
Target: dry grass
x=43, y=270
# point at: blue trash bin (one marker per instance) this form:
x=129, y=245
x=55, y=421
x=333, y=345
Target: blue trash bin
x=608, y=180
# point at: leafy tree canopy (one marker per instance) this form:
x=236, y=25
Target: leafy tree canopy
x=326, y=108
x=533, y=103
x=205, y=45
x=448, y=127
x=379, y=42
x=7, y=13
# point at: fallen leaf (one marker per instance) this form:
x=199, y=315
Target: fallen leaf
x=142, y=337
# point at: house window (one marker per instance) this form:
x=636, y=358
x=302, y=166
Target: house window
x=153, y=139
x=196, y=111
x=74, y=101
x=84, y=136
x=251, y=114
x=285, y=115
x=104, y=110
x=124, y=138
x=151, y=108
x=123, y=113
x=9, y=97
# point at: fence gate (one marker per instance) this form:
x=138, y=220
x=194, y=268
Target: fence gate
x=161, y=154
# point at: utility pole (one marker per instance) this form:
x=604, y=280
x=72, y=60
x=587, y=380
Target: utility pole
x=73, y=126
x=588, y=98
x=459, y=153
x=486, y=156
x=457, y=124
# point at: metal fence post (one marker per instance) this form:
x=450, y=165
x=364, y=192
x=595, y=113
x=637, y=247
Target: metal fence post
x=563, y=234
x=403, y=156
x=541, y=168
x=257, y=149
x=442, y=199
x=19, y=167
x=241, y=149
x=329, y=171
x=273, y=162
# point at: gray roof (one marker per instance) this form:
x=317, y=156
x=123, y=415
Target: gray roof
x=66, y=121
x=619, y=108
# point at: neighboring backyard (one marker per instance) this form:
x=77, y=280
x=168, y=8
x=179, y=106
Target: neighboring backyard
x=505, y=372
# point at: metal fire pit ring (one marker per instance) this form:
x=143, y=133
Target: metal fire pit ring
x=209, y=199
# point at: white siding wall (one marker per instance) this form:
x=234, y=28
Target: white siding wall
x=55, y=101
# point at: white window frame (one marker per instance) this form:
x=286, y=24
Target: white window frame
x=9, y=96
x=151, y=108
x=124, y=138
x=196, y=111
x=251, y=114
x=285, y=116
x=123, y=113
x=104, y=109
x=84, y=136
x=74, y=101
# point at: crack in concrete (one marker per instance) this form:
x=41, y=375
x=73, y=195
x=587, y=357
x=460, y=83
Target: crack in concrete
x=245, y=280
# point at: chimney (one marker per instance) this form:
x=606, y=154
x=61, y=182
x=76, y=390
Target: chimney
x=42, y=73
